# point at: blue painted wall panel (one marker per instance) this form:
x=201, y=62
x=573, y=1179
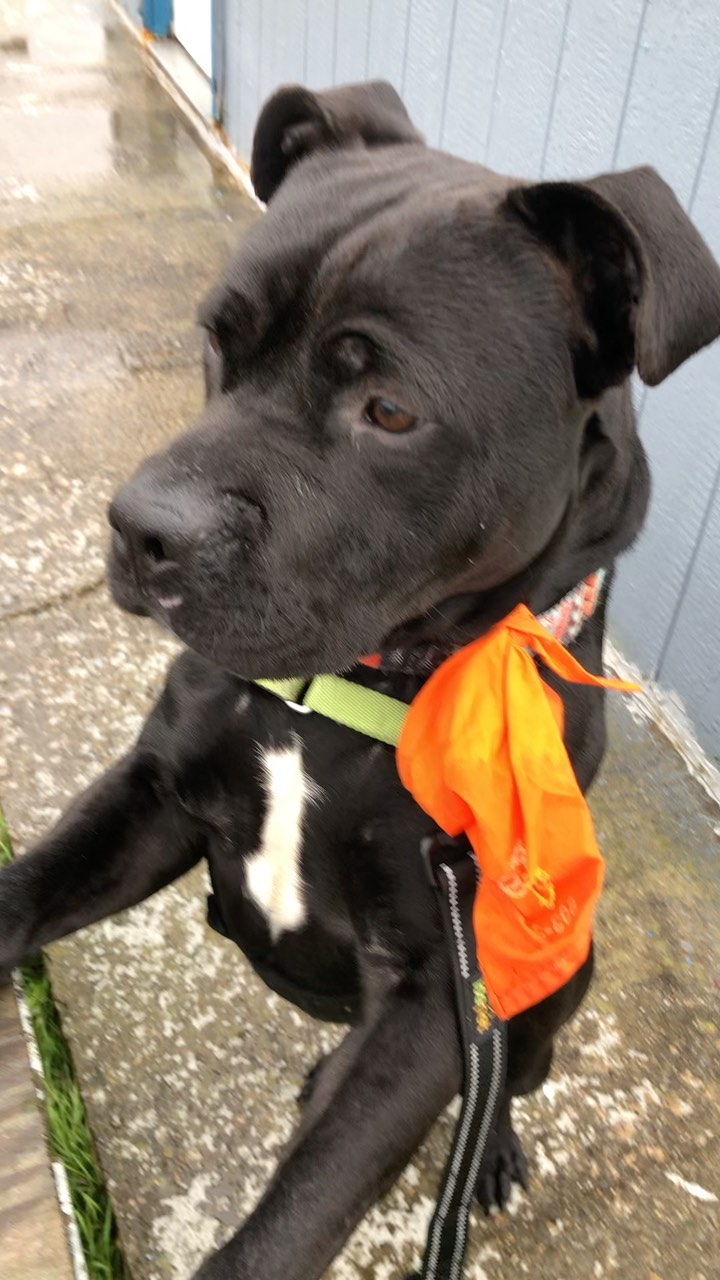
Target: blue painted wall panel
x=673, y=86
x=680, y=425
x=595, y=67
x=526, y=71
x=691, y=663
x=425, y=68
x=351, y=45
x=157, y=16
x=322, y=17
x=563, y=88
x=388, y=37
x=271, y=17
x=290, y=30
x=479, y=29
x=243, y=95
x=681, y=431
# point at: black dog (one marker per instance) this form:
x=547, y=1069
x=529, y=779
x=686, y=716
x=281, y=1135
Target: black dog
x=418, y=416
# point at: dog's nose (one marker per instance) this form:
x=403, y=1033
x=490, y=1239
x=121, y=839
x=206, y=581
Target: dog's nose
x=156, y=528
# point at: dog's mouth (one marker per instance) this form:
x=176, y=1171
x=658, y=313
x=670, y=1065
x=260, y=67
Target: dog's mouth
x=295, y=589
x=274, y=627
x=255, y=643
x=264, y=603
x=257, y=623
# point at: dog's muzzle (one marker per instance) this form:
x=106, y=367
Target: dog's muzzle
x=155, y=536
x=166, y=539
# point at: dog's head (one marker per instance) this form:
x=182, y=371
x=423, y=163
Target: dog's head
x=413, y=368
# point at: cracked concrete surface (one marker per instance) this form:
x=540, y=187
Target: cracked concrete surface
x=111, y=229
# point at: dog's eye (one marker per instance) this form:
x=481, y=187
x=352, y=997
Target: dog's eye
x=214, y=341
x=388, y=416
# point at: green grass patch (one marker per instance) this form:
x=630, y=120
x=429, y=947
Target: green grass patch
x=69, y=1135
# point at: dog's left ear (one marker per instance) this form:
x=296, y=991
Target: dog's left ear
x=644, y=285
x=295, y=122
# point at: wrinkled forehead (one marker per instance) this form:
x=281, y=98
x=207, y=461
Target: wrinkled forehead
x=330, y=211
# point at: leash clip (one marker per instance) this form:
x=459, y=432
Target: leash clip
x=439, y=848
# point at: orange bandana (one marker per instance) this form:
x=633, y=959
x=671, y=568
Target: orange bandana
x=482, y=752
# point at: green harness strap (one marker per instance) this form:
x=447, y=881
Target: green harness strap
x=377, y=715
x=290, y=690
x=453, y=871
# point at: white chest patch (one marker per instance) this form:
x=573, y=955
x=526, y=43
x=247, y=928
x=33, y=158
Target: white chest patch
x=272, y=874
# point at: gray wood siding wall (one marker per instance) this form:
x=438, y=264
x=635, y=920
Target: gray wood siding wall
x=557, y=88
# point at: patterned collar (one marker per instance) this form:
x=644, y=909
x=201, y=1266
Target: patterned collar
x=564, y=620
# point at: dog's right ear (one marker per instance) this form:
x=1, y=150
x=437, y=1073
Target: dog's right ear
x=296, y=121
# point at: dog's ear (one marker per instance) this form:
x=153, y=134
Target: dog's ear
x=680, y=302
x=296, y=121
x=645, y=286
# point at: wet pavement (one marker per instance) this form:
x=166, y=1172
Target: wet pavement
x=111, y=227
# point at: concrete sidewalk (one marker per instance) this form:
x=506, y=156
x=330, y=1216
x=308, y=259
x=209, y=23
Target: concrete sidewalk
x=111, y=229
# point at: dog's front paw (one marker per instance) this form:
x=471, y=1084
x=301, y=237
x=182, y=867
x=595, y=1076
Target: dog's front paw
x=227, y=1263
x=214, y=1268
x=504, y=1163
x=309, y=1084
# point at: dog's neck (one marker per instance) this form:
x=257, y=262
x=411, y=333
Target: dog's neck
x=564, y=619
x=599, y=523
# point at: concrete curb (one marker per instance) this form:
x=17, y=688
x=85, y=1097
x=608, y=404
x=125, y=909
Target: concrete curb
x=59, y=1172
x=35, y=1242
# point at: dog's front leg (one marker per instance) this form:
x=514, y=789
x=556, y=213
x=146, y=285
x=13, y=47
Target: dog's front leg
x=406, y=1070
x=117, y=843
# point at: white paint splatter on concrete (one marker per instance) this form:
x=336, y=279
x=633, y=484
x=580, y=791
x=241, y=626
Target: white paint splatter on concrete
x=692, y=1188
x=184, y=1232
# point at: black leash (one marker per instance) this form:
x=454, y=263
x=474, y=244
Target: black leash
x=454, y=872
